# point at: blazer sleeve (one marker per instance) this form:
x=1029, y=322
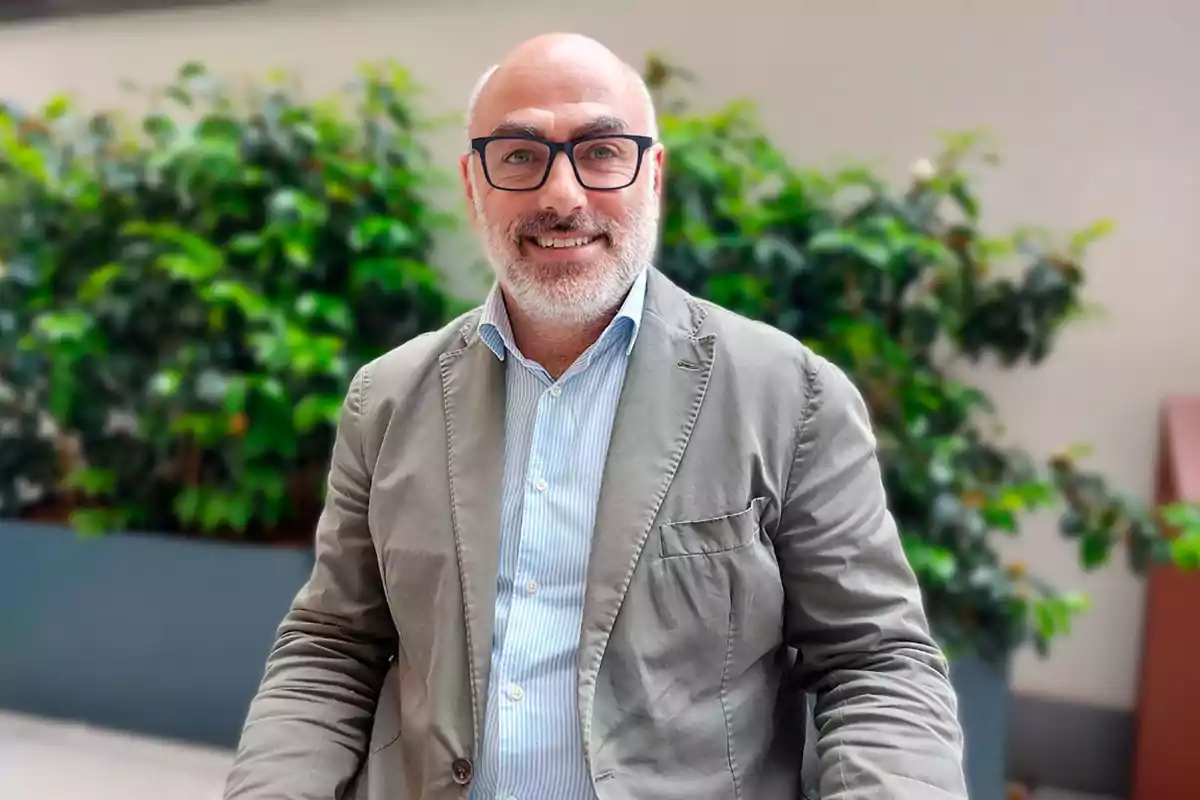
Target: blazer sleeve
x=885, y=709
x=308, y=728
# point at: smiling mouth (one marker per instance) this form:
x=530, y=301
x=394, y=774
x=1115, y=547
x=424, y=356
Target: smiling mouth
x=559, y=243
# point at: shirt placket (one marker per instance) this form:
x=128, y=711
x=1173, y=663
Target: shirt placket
x=513, y=693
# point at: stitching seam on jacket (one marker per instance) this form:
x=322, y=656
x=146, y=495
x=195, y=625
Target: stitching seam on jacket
x=753, y=507
x=729, y=637
x=364, y=385
x=467, y=612
x=812, y=403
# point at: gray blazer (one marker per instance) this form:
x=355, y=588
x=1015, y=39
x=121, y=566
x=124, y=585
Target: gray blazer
x=742, y=521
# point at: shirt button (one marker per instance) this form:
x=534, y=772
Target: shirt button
x=555, y=390
x=515, y=693
x=462, y=770
x=541, y=485
x=531, y=586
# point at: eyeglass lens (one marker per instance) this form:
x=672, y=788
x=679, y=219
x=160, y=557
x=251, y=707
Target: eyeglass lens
x=608, y=163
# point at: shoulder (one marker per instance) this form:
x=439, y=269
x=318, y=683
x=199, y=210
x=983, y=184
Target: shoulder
x=755, y=341
x=409, y=365
x=751, y=348
x=768, y=364
x=758, y=365
x=788, y=385
x=762, y=353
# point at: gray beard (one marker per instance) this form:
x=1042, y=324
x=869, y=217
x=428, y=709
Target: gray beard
x=575, y=294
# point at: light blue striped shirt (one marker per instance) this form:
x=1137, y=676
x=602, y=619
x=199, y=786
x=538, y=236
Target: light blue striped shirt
x=556, y=440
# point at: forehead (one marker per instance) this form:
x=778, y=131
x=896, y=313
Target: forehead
x=557, y=99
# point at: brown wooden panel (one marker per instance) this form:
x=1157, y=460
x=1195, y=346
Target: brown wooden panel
x=1166, y=758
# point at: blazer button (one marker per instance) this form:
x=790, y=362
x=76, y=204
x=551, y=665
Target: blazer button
x=463, y=771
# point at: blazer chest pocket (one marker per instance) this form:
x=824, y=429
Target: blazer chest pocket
x=712, y=535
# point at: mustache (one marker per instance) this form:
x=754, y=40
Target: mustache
x=544, y=222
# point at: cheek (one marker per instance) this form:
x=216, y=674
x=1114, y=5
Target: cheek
x=616, y=206
x=502, y=210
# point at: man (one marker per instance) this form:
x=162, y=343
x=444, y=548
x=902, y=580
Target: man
x=574, y=542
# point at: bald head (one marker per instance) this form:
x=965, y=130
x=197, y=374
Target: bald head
x=555, y=68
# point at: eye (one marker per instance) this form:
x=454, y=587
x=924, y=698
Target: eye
x=518, y=157
x=600, y=152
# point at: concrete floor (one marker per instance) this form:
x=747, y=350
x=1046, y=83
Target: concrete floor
x=41, y=759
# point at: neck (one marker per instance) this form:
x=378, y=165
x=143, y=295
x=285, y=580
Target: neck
x=555, y=346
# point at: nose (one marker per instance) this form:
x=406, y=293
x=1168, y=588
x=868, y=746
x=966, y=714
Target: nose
x=561, y=192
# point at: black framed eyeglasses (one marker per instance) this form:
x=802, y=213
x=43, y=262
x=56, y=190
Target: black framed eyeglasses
x=604, y=162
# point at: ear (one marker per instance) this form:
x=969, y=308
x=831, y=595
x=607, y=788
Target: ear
x=464, y=169
x=660, y=161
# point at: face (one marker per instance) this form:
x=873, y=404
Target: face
x=563, y=253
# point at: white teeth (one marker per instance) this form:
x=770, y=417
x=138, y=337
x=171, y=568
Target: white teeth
x=542, y=242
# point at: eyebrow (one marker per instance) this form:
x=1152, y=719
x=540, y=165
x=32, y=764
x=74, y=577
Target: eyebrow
x=516, y=129
x=600, y=125
x=596, y=127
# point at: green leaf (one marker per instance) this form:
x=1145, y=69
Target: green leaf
x=245, y=299
x=192, y=70
x=1183, y=515
x=323, y=308
x=179, y=95
x=389, y=274
x=298, y=253
x=187, y=505
x=159, y=126
x=1083, y=239
x=1185, y=551
x=931, y=561
x=57, y=107
x=92, y=522
x=214, y=511
x=315, y=410
x=246, y=243
x=1094, y=550
x=847, y=243
x=166, y=383
x=292, y=205
x=99, y=282
x=965, y=198
x=184, y=268
x=63, y=326
x=372, y=230
x=92, y=481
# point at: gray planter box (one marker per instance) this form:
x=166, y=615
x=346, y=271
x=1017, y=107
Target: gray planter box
x=983, y=710
x=169, y=637
x=158, y=635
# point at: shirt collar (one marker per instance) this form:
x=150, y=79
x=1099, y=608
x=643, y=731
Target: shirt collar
x=496, y=330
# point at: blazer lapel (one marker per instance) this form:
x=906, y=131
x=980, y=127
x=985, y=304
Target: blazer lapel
x=474, y=397
x=667, y=376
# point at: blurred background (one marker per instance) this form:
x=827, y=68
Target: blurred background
x=212, y=213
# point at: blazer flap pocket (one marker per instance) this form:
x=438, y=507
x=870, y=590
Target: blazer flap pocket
x=712, y=534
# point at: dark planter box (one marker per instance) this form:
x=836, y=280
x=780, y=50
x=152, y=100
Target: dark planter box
x=158, y=635
x=983, y=710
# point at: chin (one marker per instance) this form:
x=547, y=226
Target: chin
x=567, y=292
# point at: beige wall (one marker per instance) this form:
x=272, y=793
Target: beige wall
x=1095, y=102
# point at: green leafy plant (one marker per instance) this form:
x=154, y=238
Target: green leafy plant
x=185, y=296
x=897, y=287
x=1185, y=545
